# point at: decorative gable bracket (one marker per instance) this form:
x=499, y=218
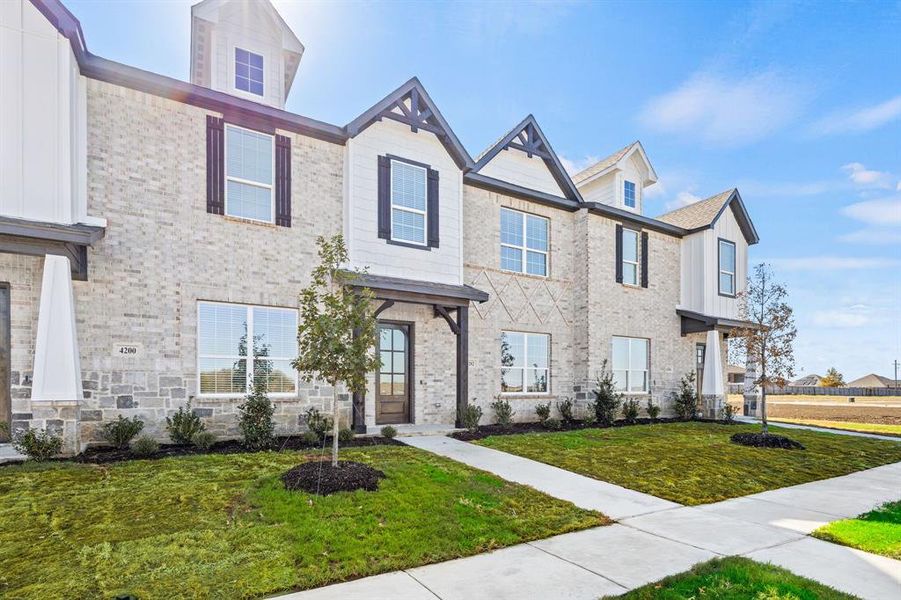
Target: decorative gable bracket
x=531, y=143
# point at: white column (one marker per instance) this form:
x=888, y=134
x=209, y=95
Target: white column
x=713, y=389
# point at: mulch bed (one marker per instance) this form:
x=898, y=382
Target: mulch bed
x=535, y=427
x=320, y=477
x=769, y=440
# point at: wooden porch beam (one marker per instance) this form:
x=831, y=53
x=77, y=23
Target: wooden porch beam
x=441, y=311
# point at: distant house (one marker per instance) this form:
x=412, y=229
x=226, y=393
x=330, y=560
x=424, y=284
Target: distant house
x=735, y=374
x=812, y=380
x=873, y=381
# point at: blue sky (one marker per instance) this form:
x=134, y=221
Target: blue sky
x=796, y=104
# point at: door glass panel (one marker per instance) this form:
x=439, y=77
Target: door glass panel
x=386, y=362
x=398, y=340
x=400, y=362
x=399, y=385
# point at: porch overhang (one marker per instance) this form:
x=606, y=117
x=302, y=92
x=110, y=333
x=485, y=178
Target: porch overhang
x=695, y=322
x=37, y=238
x=419, y=292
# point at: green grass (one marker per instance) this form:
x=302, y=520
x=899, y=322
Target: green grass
x=880, y=428
x=878, y=531
x=222, y=526
x=695, y=463
x=735, y=579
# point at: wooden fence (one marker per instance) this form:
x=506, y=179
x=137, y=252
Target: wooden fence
x=794, y=390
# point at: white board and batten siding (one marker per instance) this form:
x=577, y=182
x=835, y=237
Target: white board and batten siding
x=43, y=174
x=443, y=264
x=515, y=166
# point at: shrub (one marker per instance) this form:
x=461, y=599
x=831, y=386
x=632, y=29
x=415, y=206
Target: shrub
x=552, y=423
x=630, y=411
x=503, y=412
x=729, y=413
x=389, y=432
x=144, y=446
x=471, y=416
x=36, y=444
x=685, y=400
x=543, y=410
x=565, y=408
x=255, y=420
x=653, y=410
x=606, y=398
x=183, y=425
x=204, y=440
x=318, y=423
x=309, y=438
x=590, y=417
x=121, y=431
x=345, y=435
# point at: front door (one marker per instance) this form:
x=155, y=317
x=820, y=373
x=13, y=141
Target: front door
x=5, y=352
x=393, y=382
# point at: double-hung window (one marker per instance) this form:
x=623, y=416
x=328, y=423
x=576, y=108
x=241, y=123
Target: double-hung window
x=249, y=159
x=524, y=362
x=629, y=194
x=727, y=267
x=248, y=72
x=631, y=364
x=238, y=343
x=630, y=257
x=524, y=242
x=409, y=212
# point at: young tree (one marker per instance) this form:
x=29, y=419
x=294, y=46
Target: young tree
x=337, y=328
x=768, y=340
x=833, y=378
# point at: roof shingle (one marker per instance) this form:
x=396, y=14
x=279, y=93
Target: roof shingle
x=698, y=214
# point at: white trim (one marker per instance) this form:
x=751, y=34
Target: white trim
x=722, y=271
x=234, y=59
x=637, y=261
x=230, y=84
x=425, y=213
x=630, y=370
x=525, y=368
x=270, y=186
x=524, y=249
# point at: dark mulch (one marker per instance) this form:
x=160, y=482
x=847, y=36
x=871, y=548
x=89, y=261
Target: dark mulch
x=535, y=427
x=768, y=440
x=320, y=477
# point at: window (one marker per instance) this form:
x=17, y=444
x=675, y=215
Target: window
x=236, y=343
x=408, y=202
x=727, y=268
x=248, y=72
x=523, y=242
x=631, y=362
x=629, y=194
x=249, y=158
x=524, y=362
x=630, y=257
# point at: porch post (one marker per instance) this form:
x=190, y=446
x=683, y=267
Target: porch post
x=462, y=362
x=713, y=390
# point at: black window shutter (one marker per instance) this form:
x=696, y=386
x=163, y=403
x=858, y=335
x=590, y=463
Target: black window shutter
x=644, y=259
x=619, y=254
x=384, y=198
x=283, y=181
x=432, y=204
x=215, y=165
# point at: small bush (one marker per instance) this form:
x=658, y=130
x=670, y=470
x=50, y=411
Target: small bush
x=543, y=410
x=183, y=425
x=345, y=435
x=37, y=444
x=203, y=440
x=685, y=400
x=606, y=398
x=120, y=432
x=309, y=438
x=653, y=410
x=389, y=432
x=503, y=412
x=144, y=446
x=565, y=408
x=317, y=422
x=590, y=417
x=472, y=414
x=729, y=413
x=255, y=418
x=630, y=411
x=552, y=424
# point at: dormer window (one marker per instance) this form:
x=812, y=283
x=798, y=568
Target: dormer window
x=629, y=195
x=248, y=72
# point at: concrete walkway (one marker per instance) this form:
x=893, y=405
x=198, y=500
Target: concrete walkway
x=874, y=436
x=8, y=454
x=655, y=538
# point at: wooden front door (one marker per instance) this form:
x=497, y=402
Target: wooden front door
x=394, y=379
x=5, y=352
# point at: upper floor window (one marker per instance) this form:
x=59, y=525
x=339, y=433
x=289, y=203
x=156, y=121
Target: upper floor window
x=727, y=267
x=631, y=363
x=248, y=72
x=629, y=194
x=237, y=343
x=249, y=158
x=630, y=257
x=524, y=242
x=524, y=362
x=409, y=211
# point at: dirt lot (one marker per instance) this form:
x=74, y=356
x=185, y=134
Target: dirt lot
x=831, y=408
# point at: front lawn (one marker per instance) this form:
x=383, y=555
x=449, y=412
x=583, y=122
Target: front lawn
x=878, y=531
x=695, y=463
x=222, y=526
x=735, y=579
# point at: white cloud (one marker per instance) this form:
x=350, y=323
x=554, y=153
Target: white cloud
x=882, y=211
x=872, y=236
x=683, y=198
x=726, y=111
x=839, y=318
x=869, y=178
x=574, y=166
x=832, y=263
x=860, y=120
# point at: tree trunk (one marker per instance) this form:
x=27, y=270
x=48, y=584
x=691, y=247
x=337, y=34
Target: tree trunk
x=765, y=428
x=334, y=425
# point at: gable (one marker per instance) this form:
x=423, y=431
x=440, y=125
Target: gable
x=516, y=167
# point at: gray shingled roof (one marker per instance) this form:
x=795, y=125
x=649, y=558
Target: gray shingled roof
x=603, y=164
x=698, y=214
